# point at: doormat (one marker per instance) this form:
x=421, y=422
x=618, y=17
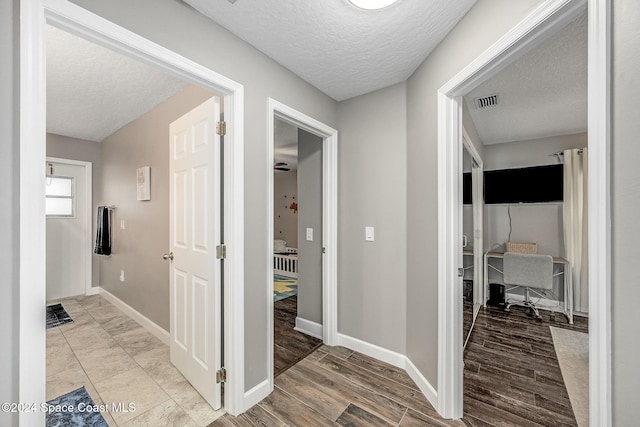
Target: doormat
x=57, y=315
x=75, y=408
x=284, y=287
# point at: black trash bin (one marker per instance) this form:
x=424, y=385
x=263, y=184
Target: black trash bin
x=496, y=295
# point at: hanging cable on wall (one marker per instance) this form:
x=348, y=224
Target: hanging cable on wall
x=510, y=227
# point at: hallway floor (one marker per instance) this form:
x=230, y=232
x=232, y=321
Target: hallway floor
x=290, y=346
x=512, y=378
x=117, y=360
x=336, y=386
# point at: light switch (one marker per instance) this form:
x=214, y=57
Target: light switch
x=122, y=224
x=309, y=234
x=369, y=235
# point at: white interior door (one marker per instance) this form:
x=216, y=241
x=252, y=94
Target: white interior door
x=195, y=231
x=67, y=230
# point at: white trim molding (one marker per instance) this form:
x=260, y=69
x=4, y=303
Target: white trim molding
x=393, y=358
x=389, y=356
x=329, y=136
x=544, y=21
x=308, y=327
x=140, y=318
x=599, y=131
x=35, y=14
x=423, y=384
x=256, y=394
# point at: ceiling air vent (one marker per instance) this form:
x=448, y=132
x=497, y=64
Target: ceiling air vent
x=487, y=101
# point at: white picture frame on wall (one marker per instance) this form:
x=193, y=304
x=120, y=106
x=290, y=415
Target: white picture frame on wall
x=143, y=181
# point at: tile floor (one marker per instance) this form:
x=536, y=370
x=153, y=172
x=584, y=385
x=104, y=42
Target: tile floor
x=117, y=360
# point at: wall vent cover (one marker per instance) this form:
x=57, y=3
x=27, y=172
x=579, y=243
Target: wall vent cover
x=485, y=102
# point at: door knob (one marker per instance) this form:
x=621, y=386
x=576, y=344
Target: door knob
x=168, y=256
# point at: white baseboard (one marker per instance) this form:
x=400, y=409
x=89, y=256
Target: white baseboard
x=143, y=320
x=92, y=291
x=393, y=358
x=256, y=394
x=425, y=386
x=372, y=350
x=308, y=327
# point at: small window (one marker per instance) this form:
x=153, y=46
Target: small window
x=59, y=200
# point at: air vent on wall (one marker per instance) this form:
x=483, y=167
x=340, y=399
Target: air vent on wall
x=487, y=101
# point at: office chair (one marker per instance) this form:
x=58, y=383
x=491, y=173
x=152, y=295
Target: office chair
x=530, y=271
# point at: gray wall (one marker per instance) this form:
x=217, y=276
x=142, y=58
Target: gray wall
x=65, y=147
x=310, y=216
x=285, y=220
x=10, y=215
x=485, y=23
x=532, y=152
x=371, y=185
x=625, y=207
x=138, y=249
x=207, y=43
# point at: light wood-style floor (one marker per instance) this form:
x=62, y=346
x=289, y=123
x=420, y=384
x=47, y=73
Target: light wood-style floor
x=290, y=346
x=336, y=386
x=512, y=378
x=512, y=375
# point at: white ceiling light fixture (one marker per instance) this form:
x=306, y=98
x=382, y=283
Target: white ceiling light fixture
x=372, y=4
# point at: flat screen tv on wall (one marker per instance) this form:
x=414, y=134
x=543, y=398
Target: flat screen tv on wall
x=538, y=184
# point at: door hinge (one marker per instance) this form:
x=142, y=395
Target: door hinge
x=221, y=128
x=460, y=272
x=221, y=375
x=221, y=251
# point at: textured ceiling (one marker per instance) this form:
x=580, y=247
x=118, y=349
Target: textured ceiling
x=342, y=50
x=544, y=93
x=93, y=91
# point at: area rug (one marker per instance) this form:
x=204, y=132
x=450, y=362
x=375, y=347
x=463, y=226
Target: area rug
x=284, y=287
x=572, y=349
x=57, y=315
x=75, y=408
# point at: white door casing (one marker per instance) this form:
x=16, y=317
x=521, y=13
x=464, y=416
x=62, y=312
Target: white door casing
x=195, y=215
x=542, y=21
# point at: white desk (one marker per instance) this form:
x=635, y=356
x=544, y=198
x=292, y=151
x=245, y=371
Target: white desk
x=568, y=282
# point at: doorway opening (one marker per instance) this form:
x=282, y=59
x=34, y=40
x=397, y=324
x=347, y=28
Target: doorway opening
x=532, y=31
x=472, y=237
x=68, y=207
x=75, y=20
x=297, y=245
x=316, y=237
